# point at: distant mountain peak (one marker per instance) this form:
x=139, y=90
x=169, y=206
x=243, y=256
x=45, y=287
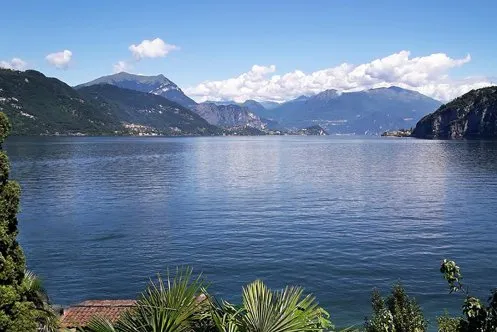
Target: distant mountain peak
x=251, y=101
x=396, y=92
x=253, y=106
x=396, y=88
x=367, y=111
x=393, y=88
x=327, y=94
x=301, y=98
x=159, y=85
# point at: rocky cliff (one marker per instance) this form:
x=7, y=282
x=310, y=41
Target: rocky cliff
x=228, y=115
x=471, y=116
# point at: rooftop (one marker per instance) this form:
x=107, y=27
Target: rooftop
x=81, y=314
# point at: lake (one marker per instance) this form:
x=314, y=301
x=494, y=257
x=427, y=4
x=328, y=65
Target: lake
x=337, y=215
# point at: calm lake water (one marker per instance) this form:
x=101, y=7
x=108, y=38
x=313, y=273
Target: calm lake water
x=338, y=216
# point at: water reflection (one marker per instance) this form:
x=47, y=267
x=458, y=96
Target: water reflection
x=336, y=215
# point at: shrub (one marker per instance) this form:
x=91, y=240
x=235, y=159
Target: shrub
x=446, y=323
x=478, y=317
x=395, y=313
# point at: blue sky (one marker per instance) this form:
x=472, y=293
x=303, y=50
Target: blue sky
x=219, y=40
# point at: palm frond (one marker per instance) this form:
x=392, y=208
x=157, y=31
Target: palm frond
x=283, y=311
x=166, y=305
x=226, y=317
x=36, y=293
x=32, y=283
x=99, y=324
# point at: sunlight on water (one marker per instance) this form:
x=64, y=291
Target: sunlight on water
x=336, y=215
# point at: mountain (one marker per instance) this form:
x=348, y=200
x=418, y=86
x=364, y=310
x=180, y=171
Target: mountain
x=471, y=116
x=228, y=115
x=222, y=102
x=363, y=112
x=145, y=112
x=253, y=106
x=269, y=105
x=158, y=85
x=285, y=111
x=222, y=113
x=38, y=105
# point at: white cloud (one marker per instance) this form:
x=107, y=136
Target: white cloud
x=15, y=63
x=60, y=59
x=156, y=48
x=121, y=66
x=427, y=74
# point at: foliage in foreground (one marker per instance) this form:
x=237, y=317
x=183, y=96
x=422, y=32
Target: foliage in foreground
x=170, y=305
x=395, y=313
x=47, y=320
x=181, y=305
x=22, y=302
x=265, y=310
x=446, y=323
x=477, y=316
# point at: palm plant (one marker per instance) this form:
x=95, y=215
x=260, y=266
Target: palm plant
x=36, y=293
x=264, y=310
x=170, y=305
x=99, y=324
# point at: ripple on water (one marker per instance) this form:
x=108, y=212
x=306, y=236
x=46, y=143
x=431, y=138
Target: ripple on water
x=337, y=216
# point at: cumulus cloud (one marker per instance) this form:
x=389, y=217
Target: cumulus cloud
x=15, y=63
x=60, y=60
x=121, y=66
x=156, y=48
x=426, y=74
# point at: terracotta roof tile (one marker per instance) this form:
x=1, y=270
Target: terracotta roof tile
x=80, y=314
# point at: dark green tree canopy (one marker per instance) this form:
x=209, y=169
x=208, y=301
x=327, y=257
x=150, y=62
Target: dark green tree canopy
x=17, y=313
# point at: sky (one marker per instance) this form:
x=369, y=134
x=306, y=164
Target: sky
x=263, y=50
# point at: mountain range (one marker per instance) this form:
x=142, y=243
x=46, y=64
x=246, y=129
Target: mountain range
x=223, y=115
x=38, y=105
x=363, y=112
x=144, y=112
x=128, y=103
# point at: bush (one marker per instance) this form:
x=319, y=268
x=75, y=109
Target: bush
x=478, y=317
x=396, y=313
x=446, y=323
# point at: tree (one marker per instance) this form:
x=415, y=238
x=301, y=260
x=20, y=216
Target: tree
x=396, y=313
x=17, y=312
x=478, y=317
